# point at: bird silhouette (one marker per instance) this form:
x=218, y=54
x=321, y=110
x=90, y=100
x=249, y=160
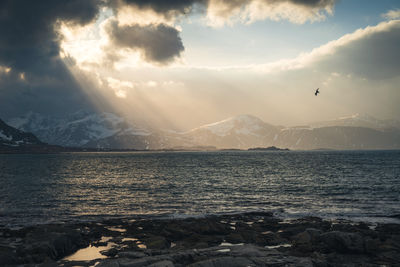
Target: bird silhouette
x=317, y=92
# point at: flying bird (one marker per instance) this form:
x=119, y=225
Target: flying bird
x=317, y=92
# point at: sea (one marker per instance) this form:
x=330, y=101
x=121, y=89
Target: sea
x=70, y=187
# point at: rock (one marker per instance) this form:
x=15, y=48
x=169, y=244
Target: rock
x=343, y=242
x=156, y=242
x=272, y=239
x=110, y=252
x=164, y=263
x=223, y=261
x=200, y=241
x=307, y=241
x=234, y=238
x=124, y=262
x=248, y=236
x=7, y=256
x=247, y=251
x=391, y=258
x=389, y=229
x=108, y=263
x=131, y=254
x=372, y=246
x=210, y=227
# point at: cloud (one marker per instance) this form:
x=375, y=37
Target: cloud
x=392, y=14
x=157, y=43
x=167, y=9
x=33, y=76
x=371, y=52
x=29, y=40
x=220, y=12
x=30, y=48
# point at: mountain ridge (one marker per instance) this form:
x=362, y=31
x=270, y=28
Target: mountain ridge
x=110, y=131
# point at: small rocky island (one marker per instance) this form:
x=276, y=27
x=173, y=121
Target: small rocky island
x=249, y=239
x=270, y=148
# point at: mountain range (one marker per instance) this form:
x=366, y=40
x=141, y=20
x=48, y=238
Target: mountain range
x=110, y=131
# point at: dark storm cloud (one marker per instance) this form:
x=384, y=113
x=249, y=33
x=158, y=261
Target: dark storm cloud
x=314, y=3
x=184, y=6
x=163, y=6
x=29, y=41
x=30, y=44
x=158, y=43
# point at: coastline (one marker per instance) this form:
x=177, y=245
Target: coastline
x=245, y=239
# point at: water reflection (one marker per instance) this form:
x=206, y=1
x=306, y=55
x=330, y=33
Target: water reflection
x=101, y=185
x=91, y=252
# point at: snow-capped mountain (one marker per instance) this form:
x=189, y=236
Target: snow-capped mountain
x=11, y=137
x=242, y=124
x=359, y=120
x=77, y=129
x=110, y=131
x=338, y=137
x=241, y=131
x=246, y=131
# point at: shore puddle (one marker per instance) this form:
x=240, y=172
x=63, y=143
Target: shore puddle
x=224, y=250
x=141, y=245
x=279, y=246
x=91, y=252
x=227, y=244
x=116, y=229
x=266, y=233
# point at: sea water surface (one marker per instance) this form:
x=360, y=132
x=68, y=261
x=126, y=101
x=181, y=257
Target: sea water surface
x=356, y=185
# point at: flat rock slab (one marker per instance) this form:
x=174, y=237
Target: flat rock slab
x=206, y=241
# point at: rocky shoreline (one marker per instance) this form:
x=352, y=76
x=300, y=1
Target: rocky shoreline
x=249, y=239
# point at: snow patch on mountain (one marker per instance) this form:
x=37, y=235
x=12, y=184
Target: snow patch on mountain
x=359, y=120
x=78, y=128
x=5, y=137
x=242, y=124
x=12, y=137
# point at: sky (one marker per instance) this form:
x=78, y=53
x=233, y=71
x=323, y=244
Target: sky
x=180, y=64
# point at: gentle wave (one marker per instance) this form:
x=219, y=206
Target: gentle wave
x=356, y=185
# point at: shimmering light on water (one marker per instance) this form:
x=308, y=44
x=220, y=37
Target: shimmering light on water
x=62, y=187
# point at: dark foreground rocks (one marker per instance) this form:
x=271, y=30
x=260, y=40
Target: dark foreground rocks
x=251, y=239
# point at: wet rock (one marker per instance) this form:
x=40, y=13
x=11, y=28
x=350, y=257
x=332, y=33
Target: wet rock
x=156, y=242
x=175, y=230
x=308, y=240
x=7, y=256
x=50, y=245
x=248, y=251
x=109, y=252
x=223, y=261
x=234, y=238
x=108, y=263
x=272, y=239
x=210, y=227
x=131, y=254
x=199, y=241
x=388, y=229
x=196, y=242
x=164, y=263
x=343, y=242
x=390, y=258
x=133, y=263
x=372, y=246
